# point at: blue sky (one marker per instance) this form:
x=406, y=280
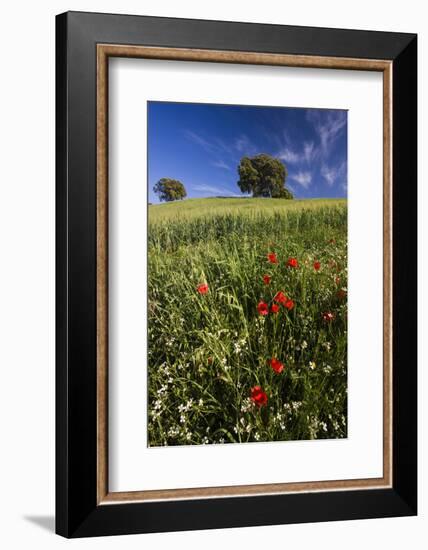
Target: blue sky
x=201, y=145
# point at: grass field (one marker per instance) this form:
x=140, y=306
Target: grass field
x=194, y=208
x=230, y=359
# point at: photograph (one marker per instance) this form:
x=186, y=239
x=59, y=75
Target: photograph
x=235, y=275
x=247, y=273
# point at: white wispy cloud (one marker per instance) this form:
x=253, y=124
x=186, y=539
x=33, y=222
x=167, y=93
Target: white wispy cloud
x=302, y=178
x=329, y=174
x=307, y=154
x=217, y=147
x=244, y=145
x=328, y=124
x=288, y=155
x=310, y=152
x=221, y=164
x=208, y=146
x=214, y=190
x=332, y=173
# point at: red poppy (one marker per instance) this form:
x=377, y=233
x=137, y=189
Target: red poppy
x=317, y=266
x=266, y=279
x=280, y=297
x=202, y=288
x=276, y=365
x=341, y=294
x=274, y=308
x=272, y=258
x=292, y=262
x=263, y=308
x=289, y=304
x=328, y=316
x=258, y=396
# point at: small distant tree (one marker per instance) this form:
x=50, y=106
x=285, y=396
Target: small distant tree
x=263, y=176
x=168, y=190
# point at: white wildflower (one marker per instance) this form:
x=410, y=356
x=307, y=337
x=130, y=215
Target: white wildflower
x=246, y=405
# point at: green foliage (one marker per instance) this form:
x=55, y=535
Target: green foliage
x=169, y=189
x=206, y=352
x=263, y=176
x=283, y=193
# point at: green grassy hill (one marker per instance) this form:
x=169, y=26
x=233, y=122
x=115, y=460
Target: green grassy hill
x=193, y=208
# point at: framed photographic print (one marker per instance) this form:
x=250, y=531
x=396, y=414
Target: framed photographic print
x=236, y=274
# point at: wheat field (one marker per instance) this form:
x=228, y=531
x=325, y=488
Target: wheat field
x=247, y=317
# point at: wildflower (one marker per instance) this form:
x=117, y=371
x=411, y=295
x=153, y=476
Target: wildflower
x=280, y=297
x=258, y=396
x=289, y=304
x=237, y=347
x=274, y=308
x=312, y=365
x=292, y=262
x=341, y=294
x=266, y=279
x=246, y=405
x=317, y=266
x=202, y=288
x=327, y=316
x=263, y=308
x=272, y=258
x=276, y=365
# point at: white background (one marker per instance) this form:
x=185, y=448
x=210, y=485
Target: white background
x=133, y=466
x=27, y=274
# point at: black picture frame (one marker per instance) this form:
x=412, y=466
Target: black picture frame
x=77, y=511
